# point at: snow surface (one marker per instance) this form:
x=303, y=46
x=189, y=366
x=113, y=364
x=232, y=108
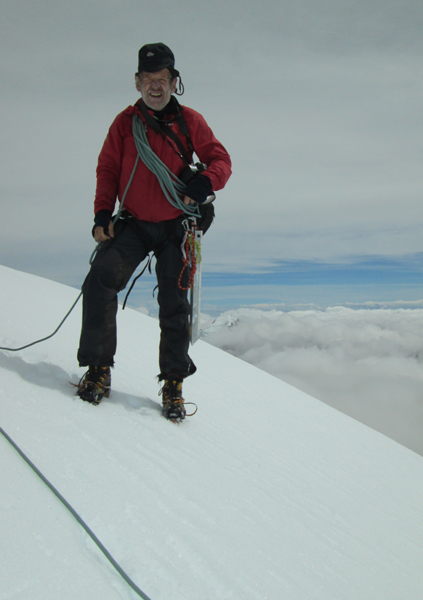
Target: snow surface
x=266, y=493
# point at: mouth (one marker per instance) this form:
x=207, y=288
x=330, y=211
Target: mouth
x=156, y=99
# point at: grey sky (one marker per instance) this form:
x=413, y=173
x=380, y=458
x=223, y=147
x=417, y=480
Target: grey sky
x=319, y=104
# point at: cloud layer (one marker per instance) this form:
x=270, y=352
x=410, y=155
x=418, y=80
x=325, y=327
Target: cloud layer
x=366, y=363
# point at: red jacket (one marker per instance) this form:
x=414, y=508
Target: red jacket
x=144, y=198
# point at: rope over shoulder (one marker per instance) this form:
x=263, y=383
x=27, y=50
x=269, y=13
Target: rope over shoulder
x=172, y=187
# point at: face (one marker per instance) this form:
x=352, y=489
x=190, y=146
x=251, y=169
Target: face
x=155, y=88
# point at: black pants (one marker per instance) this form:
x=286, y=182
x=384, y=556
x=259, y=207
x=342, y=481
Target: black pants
x=110, y=272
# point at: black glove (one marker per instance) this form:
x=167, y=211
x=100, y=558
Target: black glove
x=199, y=188
x=102, y=219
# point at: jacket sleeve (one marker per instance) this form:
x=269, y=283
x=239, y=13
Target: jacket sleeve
x=109, y=168
x=209, y=150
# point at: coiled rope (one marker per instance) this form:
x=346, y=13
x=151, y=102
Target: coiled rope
x=78, y=518
x=172, y=187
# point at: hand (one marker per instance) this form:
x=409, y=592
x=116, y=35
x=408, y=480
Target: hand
x=99, y=234
x=188, y=200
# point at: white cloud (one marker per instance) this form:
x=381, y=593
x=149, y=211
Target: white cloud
x=366, y=363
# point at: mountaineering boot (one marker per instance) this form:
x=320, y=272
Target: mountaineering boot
x=173, y=403
x=95, y=384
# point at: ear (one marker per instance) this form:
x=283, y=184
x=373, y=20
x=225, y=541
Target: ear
x=173, y=90
x=137, y=82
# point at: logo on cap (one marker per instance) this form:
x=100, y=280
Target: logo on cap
x=150, y=53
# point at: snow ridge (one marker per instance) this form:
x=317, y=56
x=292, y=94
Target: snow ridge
x=265, y=493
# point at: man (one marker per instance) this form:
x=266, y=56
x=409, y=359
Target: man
x=149, y=222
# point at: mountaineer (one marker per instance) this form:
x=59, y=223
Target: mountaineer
x=148, y=222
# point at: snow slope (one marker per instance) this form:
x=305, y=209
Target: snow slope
x=266, y=493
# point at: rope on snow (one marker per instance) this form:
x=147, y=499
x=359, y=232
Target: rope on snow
x=79, y=519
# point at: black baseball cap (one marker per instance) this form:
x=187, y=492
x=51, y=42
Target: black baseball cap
x=155, y=57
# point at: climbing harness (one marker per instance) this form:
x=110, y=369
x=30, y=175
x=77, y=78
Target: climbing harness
x=78, y=518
